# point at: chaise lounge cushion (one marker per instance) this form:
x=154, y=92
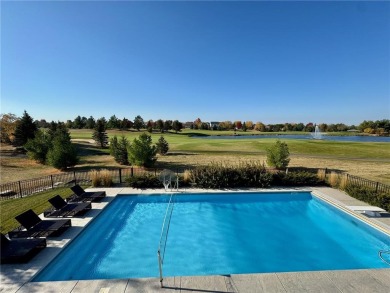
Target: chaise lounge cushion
x=82, y=195
x=63, y=209
x=36, y=227
x=20, y=250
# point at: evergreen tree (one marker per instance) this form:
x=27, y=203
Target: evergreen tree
x=177, y=126
x=160, y=125
x=123, y=154
x=38, y=147
x=138, y=122
x=244, y=128
x=162, y=146
x=62, y=153
x=25, y=130
x=118, y=149
x=100, y=134
x=90, y=124
x=142, y=152
x=114, y=147
x=167, y=125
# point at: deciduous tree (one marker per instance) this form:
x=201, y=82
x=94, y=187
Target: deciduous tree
x=177, y=126
x=278, y=155
x=138, y=122
x=7, y=127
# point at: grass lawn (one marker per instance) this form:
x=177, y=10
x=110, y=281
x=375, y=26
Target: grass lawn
x=9, y=209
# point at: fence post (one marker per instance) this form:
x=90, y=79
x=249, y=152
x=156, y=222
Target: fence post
x=120, y=175
x=376, y=187
x=52, y=183
x=131, y=171
x=74, y=176
x=20, y=189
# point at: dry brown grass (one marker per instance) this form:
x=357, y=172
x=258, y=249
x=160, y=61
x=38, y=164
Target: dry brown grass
x=15, y=166
x=369, y=169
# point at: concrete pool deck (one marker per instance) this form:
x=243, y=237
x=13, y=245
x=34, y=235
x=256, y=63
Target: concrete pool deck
x=16, y=278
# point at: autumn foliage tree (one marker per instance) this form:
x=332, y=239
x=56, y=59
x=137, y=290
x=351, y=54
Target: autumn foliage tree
x=8, y=126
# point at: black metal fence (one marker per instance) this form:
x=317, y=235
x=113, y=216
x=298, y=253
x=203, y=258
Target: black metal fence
x=31, y=186
x=378, y=187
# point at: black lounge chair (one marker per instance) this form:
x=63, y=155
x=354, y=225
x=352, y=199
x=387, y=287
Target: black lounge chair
x=36, y=227
x=21, y=249
x=82, y=195
x=63, y=209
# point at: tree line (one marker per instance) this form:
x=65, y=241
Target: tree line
x=115, y=123
x=9, y=125
x=380, y=127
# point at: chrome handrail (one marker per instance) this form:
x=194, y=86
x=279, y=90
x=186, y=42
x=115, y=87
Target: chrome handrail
x=380, y=252
x=164, y=237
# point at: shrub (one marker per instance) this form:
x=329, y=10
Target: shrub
x=95, y=178
x=186, y=177
x=162, y=146
x=106, y=178
x=343, y=181
x=278, y=155
x=144, y=181
x=321, y=174
x=142, y=152
x=296, y=178
x=217, y=175
x=334, y=179
x=369, y=195
x=101, y=178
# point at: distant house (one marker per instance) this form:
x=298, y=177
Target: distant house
x=214, y=125
x=188, y=124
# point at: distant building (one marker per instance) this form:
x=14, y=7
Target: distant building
x=214, y=125
x=188, y=124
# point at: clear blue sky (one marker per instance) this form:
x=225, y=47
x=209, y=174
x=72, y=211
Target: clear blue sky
x=273, y=62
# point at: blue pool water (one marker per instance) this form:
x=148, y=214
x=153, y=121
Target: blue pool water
x=210, y=234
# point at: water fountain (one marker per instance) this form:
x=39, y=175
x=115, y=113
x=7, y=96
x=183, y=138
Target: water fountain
x=317, y=133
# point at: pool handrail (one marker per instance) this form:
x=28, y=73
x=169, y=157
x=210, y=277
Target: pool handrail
x=163, y=240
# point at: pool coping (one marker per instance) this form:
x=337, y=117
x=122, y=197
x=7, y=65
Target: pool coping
x=16, y=278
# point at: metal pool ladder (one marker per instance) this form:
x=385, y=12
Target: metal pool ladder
x=384, y=251
x=164, y=236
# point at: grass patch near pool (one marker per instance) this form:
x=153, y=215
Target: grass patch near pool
x=10, y=208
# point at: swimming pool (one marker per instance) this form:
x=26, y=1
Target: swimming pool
x=217, y=234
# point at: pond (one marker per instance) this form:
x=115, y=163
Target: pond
x=353, y=138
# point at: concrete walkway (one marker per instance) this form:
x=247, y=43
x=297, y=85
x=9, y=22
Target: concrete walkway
x=15, y=278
